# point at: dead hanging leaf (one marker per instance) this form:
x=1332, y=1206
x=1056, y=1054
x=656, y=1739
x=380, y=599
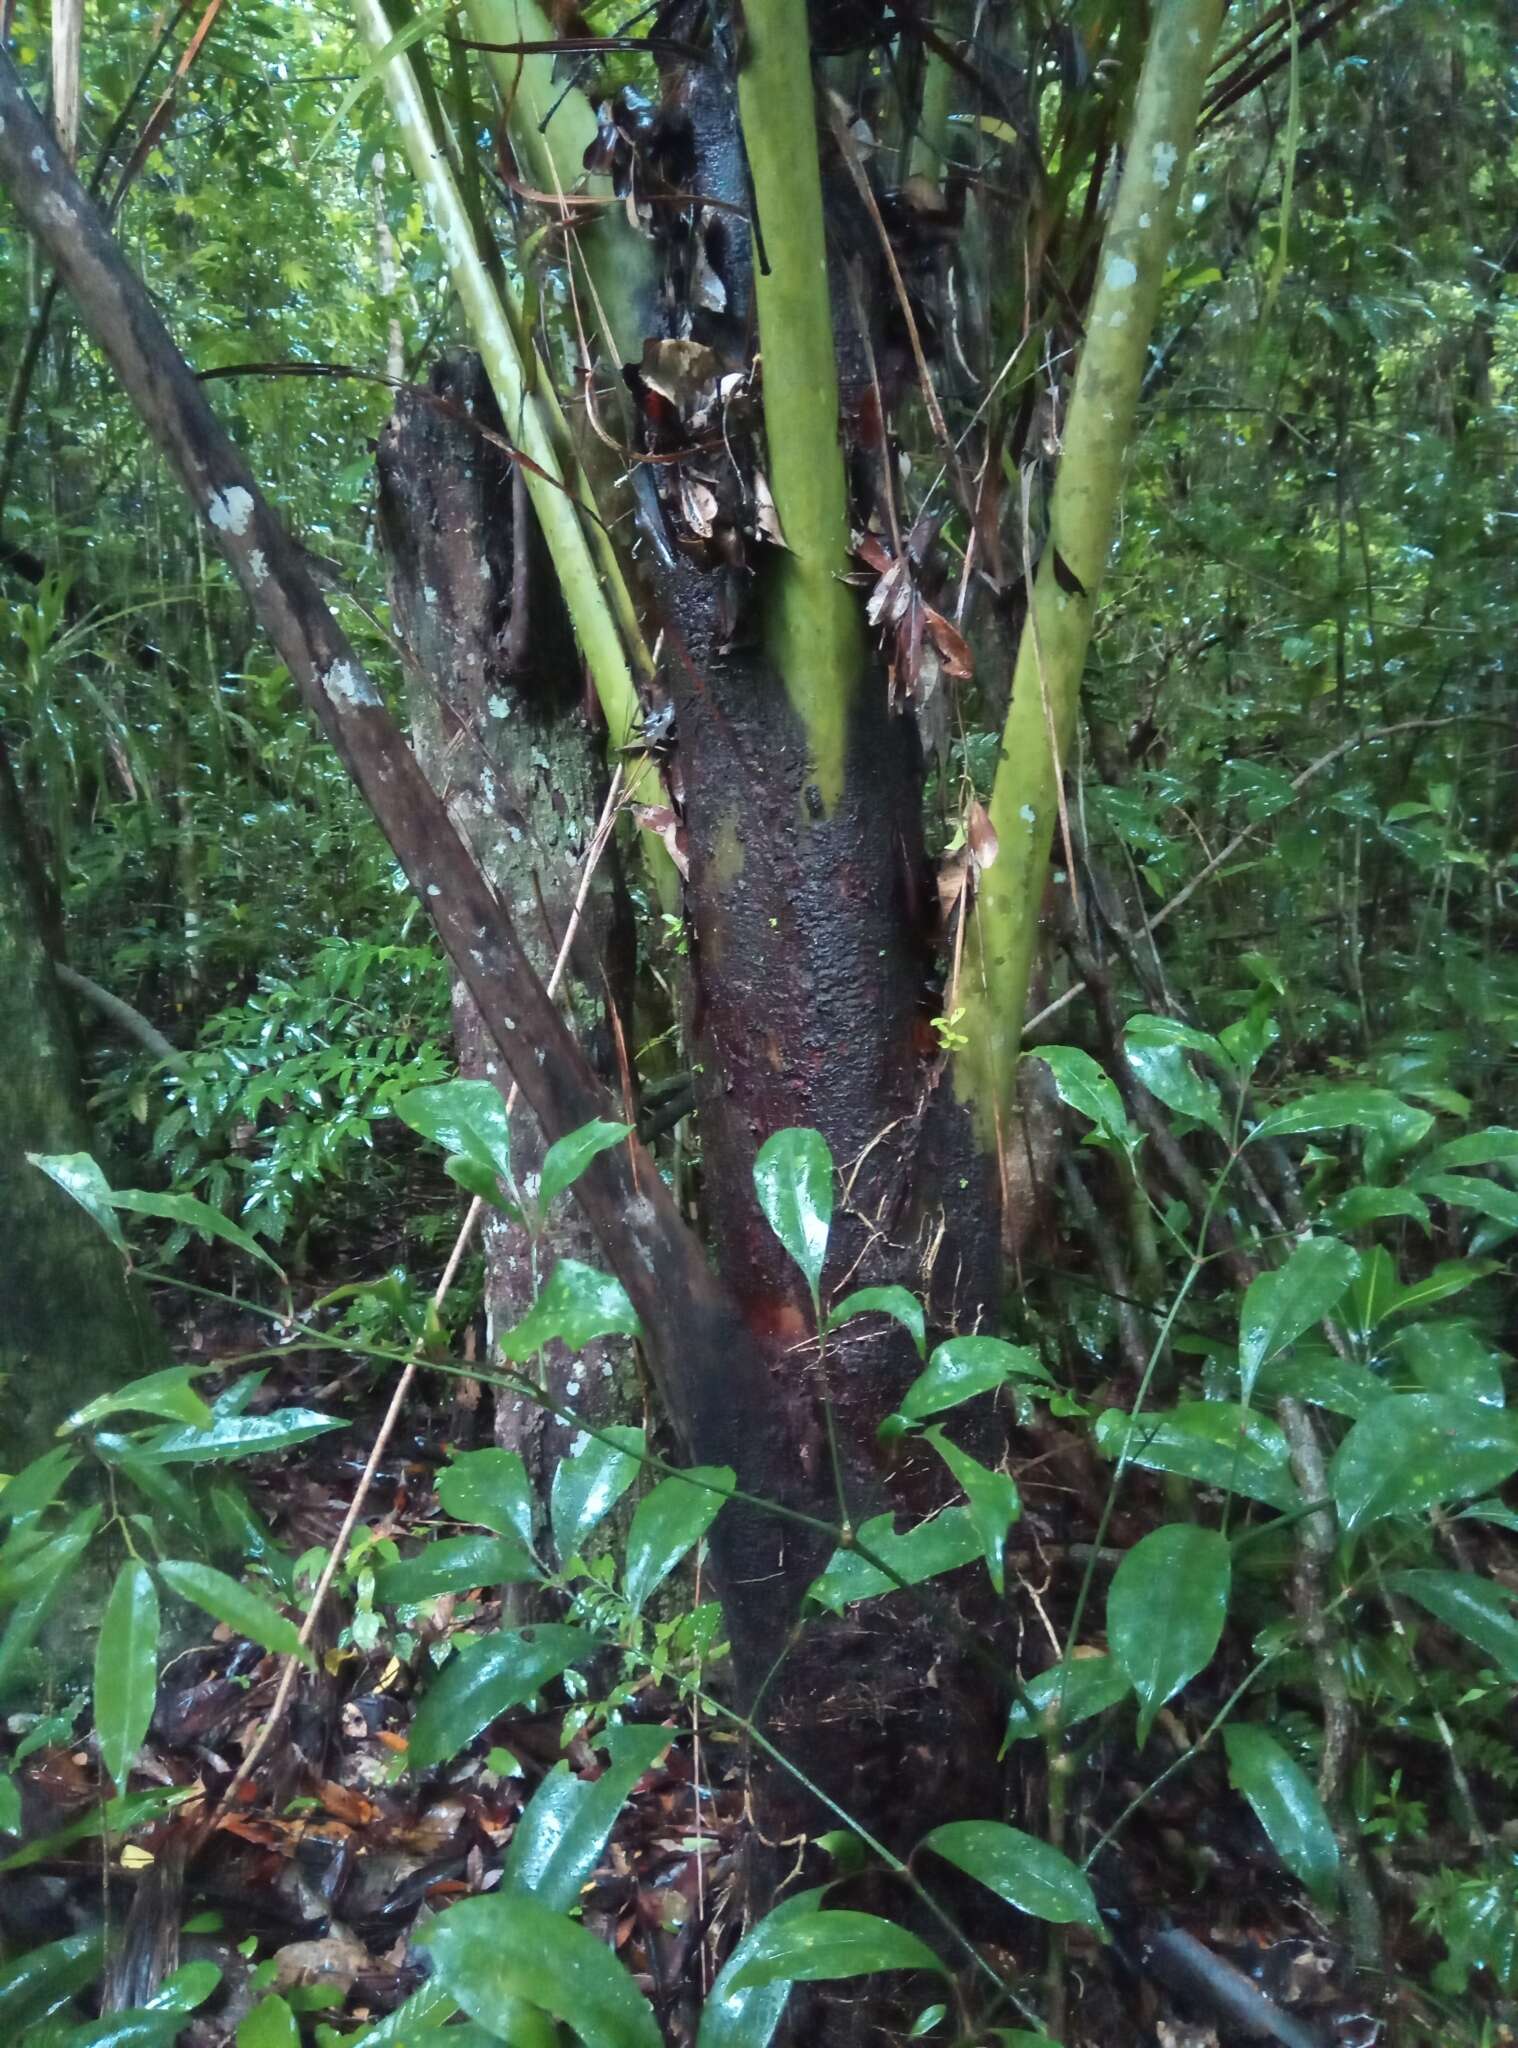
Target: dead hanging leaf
x=953, y=650
x=766, y=518
x=698, y=506
x=924, y=646
x=980, y=834
x=953, y=880
x=684, y=372
x=661, y=819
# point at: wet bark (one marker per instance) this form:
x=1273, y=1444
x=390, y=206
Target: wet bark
x=505, y=729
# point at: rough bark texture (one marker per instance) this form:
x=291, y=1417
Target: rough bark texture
x=73, y=1325
x=503, y=726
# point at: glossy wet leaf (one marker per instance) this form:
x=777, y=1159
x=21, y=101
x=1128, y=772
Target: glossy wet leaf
x=481, y=1682
x=1089, y=1686
x=589, y=1483
x=1389, y=1125
x=1414, y=1451
x=921, y=1552
x=270, y=2024
x=37, y=1485
x=577, y=1305
x=895, y=1302
x=453, y=1564
x=1358, y=1208
x=10, y=1805
x=126, y=1668
x=1158, y=1057
x=1282, y=1305
x=193, y=1214
x=749, y=2018
x=1202, y=1440
x=1452, y=1357
x=1165, y=1611
x=34, y=1981
x=993, y=1499
x=468, y=1119
x=169, y=1394
x=1029, y=1874
x=566, y=1160
x=793, y=1179
x=225, y=1599
x=568, y=1821
x=807, y=1948
x=1086, y=1088
x=962, y=1367
x=230, y=1437
x=1287, y=1806
x=1496, y=1146
x=79, y=1177
x=500, y=1953
x=429, y=2007
x=43, y=1578
x=1471, y=1606
x=669, y=1522
x=1314, y=1373
x=489, y=1487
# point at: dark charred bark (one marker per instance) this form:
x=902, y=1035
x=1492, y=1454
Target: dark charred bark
x=504, y=727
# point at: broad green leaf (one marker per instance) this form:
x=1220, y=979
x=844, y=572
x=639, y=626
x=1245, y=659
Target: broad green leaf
x=270, y=2024
x=248, y=1534
x=126, y=1668
x=1089, y=1686
x=1390, y=1126
x=117, y=1817
x=1149, y=1030
x=1281, y=1306
x=667, y=1523
x=1029, y=1874
x=46, y=1574
x=1358, y=1208
x=1165, y=1611
x=173, y=1499
x=1202, y=1440
x=78, y=1176
x=949, y=1540
x=500, y=1953
x=589, y=1483
x=1287, y=1806
x=895, y=1302
x=807, y=1948
x=1497, y=1146
x=37, y=1485
x=136, y=2027
x=489, y=1487
x=168, y=1394
x=962, y=1367
x=748, y=2019
x=793, y=1179
x=1084, y=1087
x=453, y=1564
x=1452, y=1357
x=226, y=1600
x=1160, y=1062
x=565, y=1161
x=196, y=1215
x=468, y=1119
x=1413, y=1451
x=10, y=1805
x=35, y=1981
x=1450, y=1277
x=237, y=1436
x=1480, y=1612
x=1472, y=1191
x=1314, y=1373
x=429, y=2007
x=186, y=1988
x=479, y=1684
x=578, y=1305
x=568, y=1821
x=993, y=1498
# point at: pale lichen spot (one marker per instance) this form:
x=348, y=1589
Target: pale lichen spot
x=429, y=595
x=572, y=1389
x=484, y=568
x=1194, y=37
x=433, y=889
x=39, y=158
x=1121, y=274
x=499, y=707
x=1119, y=318
x=1029, y=816
x=230, y=511
x=1145, y=220
x=1163, y=162
x=258, y=568
x=349, y=685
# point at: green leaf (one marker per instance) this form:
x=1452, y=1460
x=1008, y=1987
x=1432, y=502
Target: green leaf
x=962, y=1367
x=1027, y=1873
x=1390, y=1125
x=793, y=1179
x=453, y=1564
x=479, y=1684
x=1472, y=1191
x=1413, y=1451
x=993, y=1498
x=667, y=1523
x=895, y=1302
x=168, y=1394
x=1287, y=1806
x=43, y=1576
x=748, y=2019
x=429, y=2007
x=1448, y=1278
x=1084, y=1087
x=10, y=1805
x=237, y=1436
x=1165, y=1611
x=1090, y=1686
x=40, y=1979
x=499, y=1953
x=468, y=1119
x=134, y=2028
x=577, y=1306
x=196, y=1215
x=116, y=1817
x=568, y=1821
x=37, y=1485
x=126, y=1668
x=186, y=1988
x=270, y=2024
x=564, y=1162
x=806, y=1948
x=588, y=1485
x=1482, y=1613
x=1358, y=1208
x=1453, y=1357
x=1496, y=1146
x=244, y=1612
x=949, y=1540
x=489, y=1487
x=78, y=1176
x=1202, y=1440
x=1314, y=1373
x=1280, y=1306
x=1157, y=1050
